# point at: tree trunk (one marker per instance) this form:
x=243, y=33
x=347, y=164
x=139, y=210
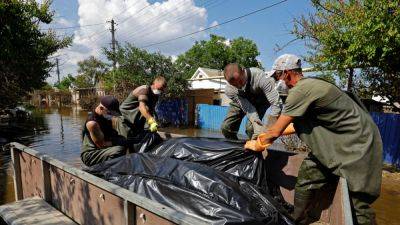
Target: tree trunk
x=350, y=80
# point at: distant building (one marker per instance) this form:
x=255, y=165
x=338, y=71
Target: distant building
x=78, y=93
x=384, y=101
x=205, y=78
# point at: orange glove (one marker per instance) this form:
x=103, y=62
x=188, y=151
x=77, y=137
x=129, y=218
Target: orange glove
x=257, y=145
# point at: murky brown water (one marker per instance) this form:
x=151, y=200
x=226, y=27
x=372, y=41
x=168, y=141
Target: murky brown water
x=57, y=132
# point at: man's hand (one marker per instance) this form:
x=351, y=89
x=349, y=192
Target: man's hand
x=253, y=145
x=153, y=124
x=265, y=139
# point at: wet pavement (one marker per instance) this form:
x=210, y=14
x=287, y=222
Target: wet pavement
x=57, y=132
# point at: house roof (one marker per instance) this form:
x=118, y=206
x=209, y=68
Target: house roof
x=209, y=73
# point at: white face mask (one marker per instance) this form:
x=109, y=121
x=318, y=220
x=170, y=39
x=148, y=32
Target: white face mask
x=156, y=91
x=281, y=87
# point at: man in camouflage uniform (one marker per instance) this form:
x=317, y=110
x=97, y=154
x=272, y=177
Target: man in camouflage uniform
x=103, y=133
x=138, y=108
x=344, y=140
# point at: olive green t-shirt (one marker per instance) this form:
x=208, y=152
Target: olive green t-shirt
x=340, y=133
x=130, y=106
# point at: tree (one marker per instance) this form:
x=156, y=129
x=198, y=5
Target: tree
x=216, y=53
x=92, y=69
x=83, y=81
x=138, y=67
x=24, y=49
x=360, y=40
x=65, y=83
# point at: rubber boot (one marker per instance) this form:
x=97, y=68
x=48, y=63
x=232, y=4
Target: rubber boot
x=302, y=204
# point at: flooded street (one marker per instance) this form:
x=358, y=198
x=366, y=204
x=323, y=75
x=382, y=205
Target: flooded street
x=57, y=132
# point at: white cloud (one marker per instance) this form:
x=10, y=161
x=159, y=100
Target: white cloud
x=214, y=23
x=64, y=22
x=138, y=22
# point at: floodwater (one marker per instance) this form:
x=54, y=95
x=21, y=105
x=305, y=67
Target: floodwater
x=57, y=132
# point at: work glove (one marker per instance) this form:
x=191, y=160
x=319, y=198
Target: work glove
x=153, y=124
x=258, y=145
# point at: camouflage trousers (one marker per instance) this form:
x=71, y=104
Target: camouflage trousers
x=312, y=177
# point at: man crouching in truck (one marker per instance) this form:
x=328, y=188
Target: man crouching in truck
x=343, y=138
x=251, y=92
x=138, y=109
x=101, y=134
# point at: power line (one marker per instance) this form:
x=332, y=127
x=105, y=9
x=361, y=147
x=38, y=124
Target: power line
x=79, y=26
x=182, y=18
x=157, y=19
x=122, y=12
x=135, y=14
x=100, y=34
x=223, y=23
x=88, y=25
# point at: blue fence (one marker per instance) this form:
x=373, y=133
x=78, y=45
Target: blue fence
x=389, y=127
x=174, y=111
x=211, y=117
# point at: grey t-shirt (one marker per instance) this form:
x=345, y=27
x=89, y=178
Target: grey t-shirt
x=261, y=90
x=340, y=133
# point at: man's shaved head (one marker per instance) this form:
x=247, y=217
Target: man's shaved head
x=235, y=75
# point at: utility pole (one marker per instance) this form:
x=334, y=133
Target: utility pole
x=58, y=71
x=58, y=76
x=113, y=42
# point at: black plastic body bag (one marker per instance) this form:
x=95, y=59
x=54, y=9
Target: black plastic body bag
x=212, y=179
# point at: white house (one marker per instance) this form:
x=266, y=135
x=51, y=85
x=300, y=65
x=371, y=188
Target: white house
x=205, y=78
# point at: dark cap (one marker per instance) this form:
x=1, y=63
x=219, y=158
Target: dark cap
x=111, y=103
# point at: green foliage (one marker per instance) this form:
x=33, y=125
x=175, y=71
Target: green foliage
x=24, y=49
x=46, y=87
x=216, y=53
x=138, y=67
x=92, y=70
x=82, y=81
x=365, y=34
x=66, y=82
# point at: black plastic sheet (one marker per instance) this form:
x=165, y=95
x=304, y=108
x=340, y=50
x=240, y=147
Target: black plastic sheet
x=144, y=142
x=212, y=179
x=192, y=188
x=223, y=155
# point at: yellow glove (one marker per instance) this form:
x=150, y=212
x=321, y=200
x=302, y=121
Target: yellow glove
x=153, y=124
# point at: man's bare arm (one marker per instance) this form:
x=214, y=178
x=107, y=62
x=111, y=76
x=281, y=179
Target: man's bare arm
x=97, y=135
x=278, y=128
x=144, y=110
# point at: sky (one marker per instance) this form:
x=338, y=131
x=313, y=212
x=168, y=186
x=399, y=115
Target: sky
x=146, y=22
